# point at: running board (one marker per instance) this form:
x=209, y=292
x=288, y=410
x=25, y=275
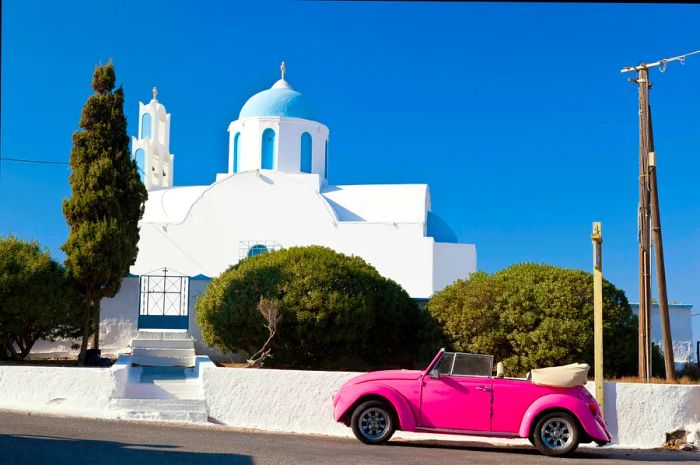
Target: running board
x=465, y=432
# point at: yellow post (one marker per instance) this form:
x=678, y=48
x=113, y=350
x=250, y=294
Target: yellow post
x=597, y=238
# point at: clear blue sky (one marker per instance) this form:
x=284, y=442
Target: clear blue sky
x=516, y=115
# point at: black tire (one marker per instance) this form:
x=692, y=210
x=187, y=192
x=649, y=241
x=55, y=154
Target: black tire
x=556, y=434
x=373, y=422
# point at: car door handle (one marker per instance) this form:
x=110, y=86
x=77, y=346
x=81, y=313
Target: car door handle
x=484, y=388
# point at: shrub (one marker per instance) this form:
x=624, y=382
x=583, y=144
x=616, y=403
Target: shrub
x=37, y=299
x=332, y=307
x=535, y=315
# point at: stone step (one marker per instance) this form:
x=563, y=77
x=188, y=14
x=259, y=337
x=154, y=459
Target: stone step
x=184, y=361
x=162, y=344
x=162, y=352
x=177, y=410
x=182, y=390
x=163, y=335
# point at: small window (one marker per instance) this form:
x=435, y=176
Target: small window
x=257, y=249
x=146, y=126
x=305, y=153
x=236, y=141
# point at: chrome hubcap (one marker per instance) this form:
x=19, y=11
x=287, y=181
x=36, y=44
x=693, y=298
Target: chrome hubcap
x=556, y=433
x=373, y=423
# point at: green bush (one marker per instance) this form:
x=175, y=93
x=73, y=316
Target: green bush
x=334, y=309
x=535, y=315
x=37, y=299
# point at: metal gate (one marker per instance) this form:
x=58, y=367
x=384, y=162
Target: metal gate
x=164, y=301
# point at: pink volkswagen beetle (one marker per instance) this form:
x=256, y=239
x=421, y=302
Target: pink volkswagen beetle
x=457, y=394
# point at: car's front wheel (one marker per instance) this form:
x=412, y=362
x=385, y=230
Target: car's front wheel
x=556, y=434
x=373, y=422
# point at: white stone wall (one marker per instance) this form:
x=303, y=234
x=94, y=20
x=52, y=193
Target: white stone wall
x=638, y=415
x=64, y=390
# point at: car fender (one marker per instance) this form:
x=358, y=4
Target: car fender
x=351, y=394
x=566, y=402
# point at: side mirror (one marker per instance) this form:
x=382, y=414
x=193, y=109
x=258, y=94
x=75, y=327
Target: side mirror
x=434, y=374
x=500, y=372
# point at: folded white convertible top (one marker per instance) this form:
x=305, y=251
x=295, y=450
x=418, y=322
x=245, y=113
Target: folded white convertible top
x=575, y=374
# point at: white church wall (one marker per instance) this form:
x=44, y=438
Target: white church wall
x=118, y=318
x=452, y=262
x=681, y=330
x=287, y=210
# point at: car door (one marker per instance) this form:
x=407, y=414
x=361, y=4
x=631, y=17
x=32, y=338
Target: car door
x=454, y=396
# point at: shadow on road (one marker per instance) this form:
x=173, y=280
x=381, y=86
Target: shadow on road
x=583, y=454
x=60, y=451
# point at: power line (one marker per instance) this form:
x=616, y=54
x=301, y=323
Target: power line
x=25, y=160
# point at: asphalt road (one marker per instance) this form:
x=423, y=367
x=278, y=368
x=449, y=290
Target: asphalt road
x=36, y=439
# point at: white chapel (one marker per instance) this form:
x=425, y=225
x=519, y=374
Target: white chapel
x=274, y=194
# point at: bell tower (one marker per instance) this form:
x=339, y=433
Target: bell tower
x=151, y=149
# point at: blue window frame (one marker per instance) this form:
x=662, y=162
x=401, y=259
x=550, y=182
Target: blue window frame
x=305, y=153
x=268, y=149
x=257, y=249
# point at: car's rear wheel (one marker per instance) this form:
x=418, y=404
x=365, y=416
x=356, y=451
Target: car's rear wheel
x=373, y=422
x=556, y=434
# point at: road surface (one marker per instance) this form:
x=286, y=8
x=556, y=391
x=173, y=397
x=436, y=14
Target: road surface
x=38, y=440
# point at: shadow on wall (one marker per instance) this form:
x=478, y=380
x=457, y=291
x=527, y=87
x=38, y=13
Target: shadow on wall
x=59, y=451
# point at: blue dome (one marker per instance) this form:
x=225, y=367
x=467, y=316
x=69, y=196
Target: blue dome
x=440, y=230
x=280, y=100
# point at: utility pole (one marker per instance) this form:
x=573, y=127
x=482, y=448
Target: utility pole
x=644, y=237
x=669, y=362
x=597, y=238
x=648, y=216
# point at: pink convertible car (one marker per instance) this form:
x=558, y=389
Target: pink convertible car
x=457, y=394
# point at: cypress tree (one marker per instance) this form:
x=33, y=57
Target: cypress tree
x=106, y=203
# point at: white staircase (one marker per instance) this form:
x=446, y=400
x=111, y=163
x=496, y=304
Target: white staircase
x=161, y=380
x=159, y=393
x=163, y=349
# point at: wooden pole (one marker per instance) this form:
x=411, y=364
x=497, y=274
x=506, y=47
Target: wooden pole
x=669, y=361
x=597, y=238
x=644, y=237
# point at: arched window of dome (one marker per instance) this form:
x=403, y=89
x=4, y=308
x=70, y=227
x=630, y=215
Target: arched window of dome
x=236, y=142
x=305, y=153
x=268, y=149
x=146, y=126
x=257, y=249
x=140, y=158
x=325, y=162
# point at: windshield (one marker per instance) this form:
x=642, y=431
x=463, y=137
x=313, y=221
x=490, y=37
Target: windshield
x=463, y=364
